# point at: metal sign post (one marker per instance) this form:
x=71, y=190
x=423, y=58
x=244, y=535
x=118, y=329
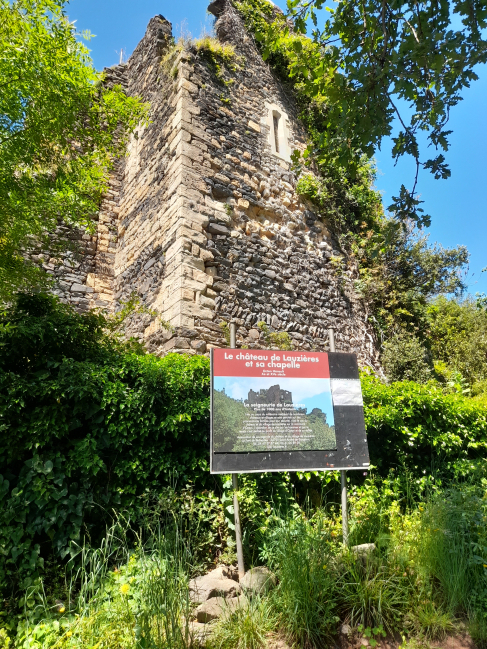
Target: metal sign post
x=343, y=474
x=236, y=510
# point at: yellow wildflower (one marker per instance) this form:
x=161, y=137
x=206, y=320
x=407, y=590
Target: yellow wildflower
x=69, y=634
x=124, y=589
x=485, y=565
x=61, y=609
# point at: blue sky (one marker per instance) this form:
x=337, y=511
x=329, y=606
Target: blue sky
x=458, y=205
x=310, y=393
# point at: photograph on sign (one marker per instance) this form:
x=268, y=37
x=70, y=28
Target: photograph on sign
x=279, y=410
x=260, y=414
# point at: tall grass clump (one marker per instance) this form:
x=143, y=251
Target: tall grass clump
x=300, y=550
x=121, y=595
x=453, y=551
x=454, y=546
x=247, y=627
x=478, y=628
x=373, y=590
x=430, y=621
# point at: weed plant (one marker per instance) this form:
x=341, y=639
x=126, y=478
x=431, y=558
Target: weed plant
x=119, y=597
x=430, y=622
x=454, y=547
x=301, y=552
x=478, y=628
x=373, y=590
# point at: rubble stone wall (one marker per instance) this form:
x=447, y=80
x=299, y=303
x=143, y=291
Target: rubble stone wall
x=202, y=219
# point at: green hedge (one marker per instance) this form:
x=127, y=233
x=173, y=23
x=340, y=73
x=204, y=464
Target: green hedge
x=421, y=428
x=86, y=427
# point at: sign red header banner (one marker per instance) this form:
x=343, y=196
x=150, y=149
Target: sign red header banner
x=266, y=363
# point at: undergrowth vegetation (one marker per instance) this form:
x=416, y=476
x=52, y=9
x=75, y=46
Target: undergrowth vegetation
x=426, y=578
x=98, y=428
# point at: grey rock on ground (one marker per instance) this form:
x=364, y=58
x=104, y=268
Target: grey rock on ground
x=215, y=607
x=363, y=549
x=258, y=580
x=198, y=633
x=214, y=584
x=228, y=572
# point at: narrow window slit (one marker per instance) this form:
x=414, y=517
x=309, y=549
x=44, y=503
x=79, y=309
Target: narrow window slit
x=276, y=131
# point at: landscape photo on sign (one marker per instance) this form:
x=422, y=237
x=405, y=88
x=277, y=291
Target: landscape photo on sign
x=283, y=408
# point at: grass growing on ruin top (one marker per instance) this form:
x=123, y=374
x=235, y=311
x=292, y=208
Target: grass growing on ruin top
x=219, y=56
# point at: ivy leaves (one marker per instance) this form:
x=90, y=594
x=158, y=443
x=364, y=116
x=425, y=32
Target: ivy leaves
x=421, y=428
x=95, y=426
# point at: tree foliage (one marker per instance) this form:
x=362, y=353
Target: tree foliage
x=399, y=270
x=60, y=129
x=449, y=345
x=404, y=358
x=375, y=62
x=458, y=337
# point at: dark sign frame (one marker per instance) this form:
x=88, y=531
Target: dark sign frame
x=351, y=453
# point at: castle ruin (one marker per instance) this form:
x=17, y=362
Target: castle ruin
x=274, y=395
x=202, y=219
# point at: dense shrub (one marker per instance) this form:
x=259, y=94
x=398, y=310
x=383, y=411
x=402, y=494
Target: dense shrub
x=458, y=336
x=87, y=426
x=405, y=359
x=421, y=428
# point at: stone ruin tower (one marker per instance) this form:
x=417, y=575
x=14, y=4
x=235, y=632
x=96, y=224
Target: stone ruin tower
x=202, y=219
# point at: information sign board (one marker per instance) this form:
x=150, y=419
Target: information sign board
x=285, y=411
